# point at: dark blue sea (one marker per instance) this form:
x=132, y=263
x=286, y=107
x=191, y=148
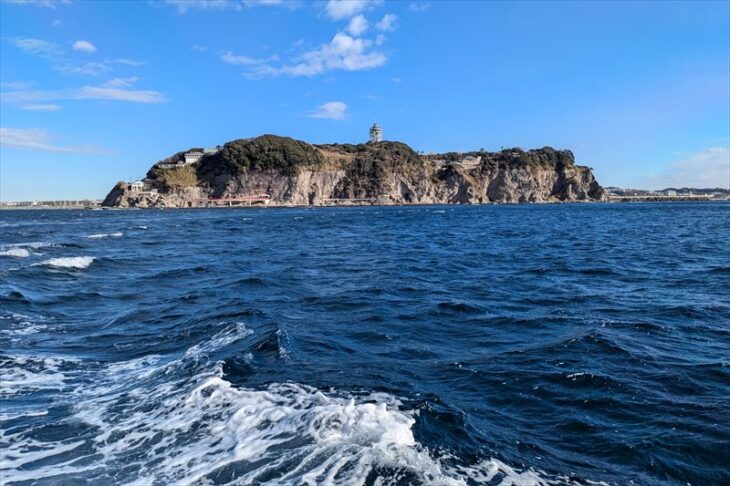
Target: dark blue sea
x=514, y=345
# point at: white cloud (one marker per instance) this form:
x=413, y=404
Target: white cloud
x=199, y=48
x=117, y=94
x=37, y=139
x=38, y=47
x=85, y=69
x=40, y=3
x=122, y=82
x=128, y=62
x=105, y=93
x=379, y=40
x=242, y=60
x=56, y=22
x=357, y=26
x=344, y=9
x=84, y=46
x=17, y=85
x=40, y=107
x=387, y=23
x=419, y=6
x=266, y=3
x=342, y=53
x=183, y=6
x=64, y=64
x=707, y=168
x=332, y=110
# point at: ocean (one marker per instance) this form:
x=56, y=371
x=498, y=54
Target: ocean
x=514, y=345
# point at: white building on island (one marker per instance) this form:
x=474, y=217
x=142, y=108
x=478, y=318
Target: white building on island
x=376, y=134
x=136, y=186
x=192, y=157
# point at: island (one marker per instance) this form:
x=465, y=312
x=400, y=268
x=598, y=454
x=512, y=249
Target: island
x=273, y=170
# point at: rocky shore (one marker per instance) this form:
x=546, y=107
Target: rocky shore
x=284, y=171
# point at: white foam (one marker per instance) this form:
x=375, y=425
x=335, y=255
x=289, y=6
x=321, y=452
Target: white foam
x=573, y=376
x=27, y=374
x=68, y=262
x=22, y=329
x=188, y=429
x=227, y=336
x=15, y=414
x=15, y=252
x=33, y=244
x=106, y=235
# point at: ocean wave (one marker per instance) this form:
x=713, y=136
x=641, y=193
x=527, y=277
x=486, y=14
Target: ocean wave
x=26, y=374
x=68, y=262
x=223, y=338
x=106, y=235
x=34, y=244
x=170, y=427
x=15, y=252
x=23, y=329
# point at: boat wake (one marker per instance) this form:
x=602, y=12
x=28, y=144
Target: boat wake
x=177, y=420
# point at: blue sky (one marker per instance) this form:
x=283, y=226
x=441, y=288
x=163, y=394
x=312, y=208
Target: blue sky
x=95, y=92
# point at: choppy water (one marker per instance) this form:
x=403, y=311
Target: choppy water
x=561, y=344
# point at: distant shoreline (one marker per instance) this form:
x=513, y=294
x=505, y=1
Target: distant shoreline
x=280, y=206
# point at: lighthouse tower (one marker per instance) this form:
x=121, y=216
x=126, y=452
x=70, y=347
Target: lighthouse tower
x=376, y=134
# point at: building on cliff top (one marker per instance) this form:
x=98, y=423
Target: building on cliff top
x=376, y=134
x=192, y=157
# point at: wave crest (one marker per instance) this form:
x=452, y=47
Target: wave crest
x=68, y=262
x=172, y=427
x=106, y=235
x=15, y=252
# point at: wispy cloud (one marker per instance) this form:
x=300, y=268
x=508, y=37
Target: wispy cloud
x=104, y=93
x=241, y=60
x=38, y=47
x=706, y=168
x=122, y=82
x=344, y=9
x=65, y=64
x=40, y=3
x=199, y=48
x=84, y=46
x=41, y=107
x=17, y=85
x=84, y=69
x=419, y=6
x=343, y=52
x=38, y=139
x=387, y=23
x=331, y=110
x=184, y=6
x=128, y=62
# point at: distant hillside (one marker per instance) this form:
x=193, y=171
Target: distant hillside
x=717, y=191
x=291, y=171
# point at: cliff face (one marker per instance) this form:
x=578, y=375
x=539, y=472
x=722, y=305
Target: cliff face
x=297, y=173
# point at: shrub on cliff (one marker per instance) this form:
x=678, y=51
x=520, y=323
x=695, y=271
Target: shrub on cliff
x=176, y=177
x=268, y=152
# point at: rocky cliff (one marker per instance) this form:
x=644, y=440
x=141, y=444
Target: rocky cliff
x=293, y=172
